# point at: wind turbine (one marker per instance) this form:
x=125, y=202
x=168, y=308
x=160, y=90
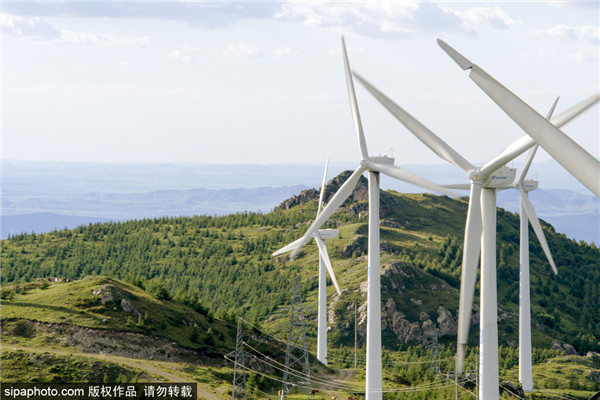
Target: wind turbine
x=324, y=264
x=480, y=231
x=374, y=165
x=527, y=211
x=574, y=158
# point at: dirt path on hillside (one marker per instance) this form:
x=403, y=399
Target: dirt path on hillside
x=343, y=378
x=143, y=365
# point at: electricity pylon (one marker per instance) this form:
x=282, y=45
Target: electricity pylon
x=297, y=367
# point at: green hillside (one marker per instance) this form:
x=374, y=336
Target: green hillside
x=223, y=266
x=82, y=331
x=157, y=299
x=99, y=329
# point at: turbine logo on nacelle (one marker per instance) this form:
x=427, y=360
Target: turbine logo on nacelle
x=529, y=185
x=502, y=177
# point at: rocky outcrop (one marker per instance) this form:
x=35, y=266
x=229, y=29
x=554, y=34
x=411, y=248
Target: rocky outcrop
x=360, y=192
x=304, y=197
x=110, y=293
x=594, y=376
x=129, y=308
x=107, y=293
x=104, y=341
x=570, y=350
x=356, y=248
x=446, y=322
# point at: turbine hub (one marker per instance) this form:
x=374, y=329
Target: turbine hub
x=475, y=175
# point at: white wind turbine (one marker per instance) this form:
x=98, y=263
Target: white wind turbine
x=374, y=165
x=480, y=232
x=527, y=211
x=324, y=264
x=563, y=149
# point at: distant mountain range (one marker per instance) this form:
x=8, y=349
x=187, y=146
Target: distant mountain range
x=41, y=197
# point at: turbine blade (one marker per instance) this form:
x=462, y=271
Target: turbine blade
x=527, y=164
x=472, y=246
x=533, y=150
x=323, y=186
x=404, y=175
x=549, y=115
x=525, y=142
x=362, y=144
x=575, y=159
x=296, y=244
x=323, y=254
x=537, y=228
x=574, y=111
x=514, y=150
x=430, y=139
x=458, y=58
x=342, y=194
x=459, y=186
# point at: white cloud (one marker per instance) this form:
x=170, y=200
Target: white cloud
x=285, y=51
x=103, y=39
x=210, y=14
x=585, y=55
x=37, y=29
x=178, y=55
x=380, y=18
x=394, y=19
x=27, y=26
x=585, y=33
x=591, y=56
x=241, y=50
x=185, y=54
x=482, y=17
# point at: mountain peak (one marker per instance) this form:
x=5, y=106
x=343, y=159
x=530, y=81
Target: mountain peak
x=360, y=192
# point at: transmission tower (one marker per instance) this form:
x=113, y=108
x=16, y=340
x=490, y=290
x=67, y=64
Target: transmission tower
x=239, y=367
x=297, y=367
x=435, y=352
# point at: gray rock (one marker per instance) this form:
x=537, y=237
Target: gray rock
x=446, y=322
x=594, y=376
x=570, y=349
x=556, y=346
x=128, y=307
x=428, y=330
x=357, y=247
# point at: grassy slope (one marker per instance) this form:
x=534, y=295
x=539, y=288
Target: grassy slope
x=31, y=356
x=74, y=303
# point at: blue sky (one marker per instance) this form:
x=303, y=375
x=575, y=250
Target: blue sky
x=263, y=82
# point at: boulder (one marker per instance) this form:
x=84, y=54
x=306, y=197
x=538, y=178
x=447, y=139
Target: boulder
x=446, y=322
x=570, y=349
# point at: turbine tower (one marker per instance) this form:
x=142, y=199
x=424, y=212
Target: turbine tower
x=527, y=211
x=374, y=165
x=324, y=263
x=480, y=232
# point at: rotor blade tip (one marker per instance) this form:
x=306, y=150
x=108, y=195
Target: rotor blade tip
x=458, y=58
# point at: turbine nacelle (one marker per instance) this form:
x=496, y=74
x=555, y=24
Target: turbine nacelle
x=371, y=163
x=503, y=177
x=529, y=185
x=325, y=234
